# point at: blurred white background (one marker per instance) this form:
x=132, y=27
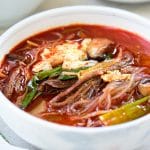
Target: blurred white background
x=139, y=8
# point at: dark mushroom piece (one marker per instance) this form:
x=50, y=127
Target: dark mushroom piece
x=144, y=87
x=127, y=59
x=14, y=57
x=54, y=86
x=101, y=48
x=16, y=82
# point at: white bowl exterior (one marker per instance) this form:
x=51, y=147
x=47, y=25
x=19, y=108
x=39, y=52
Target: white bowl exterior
x=52, y=136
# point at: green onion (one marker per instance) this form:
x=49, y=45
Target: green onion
x=70, y=74
x=28, y=98
x=52, y=73
x=66, y=77
x=126, y=113
x=33, y=84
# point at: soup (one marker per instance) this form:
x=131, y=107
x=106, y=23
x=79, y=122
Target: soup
x=80, y=75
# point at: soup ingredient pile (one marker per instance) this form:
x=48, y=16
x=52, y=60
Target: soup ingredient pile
x=80, y=75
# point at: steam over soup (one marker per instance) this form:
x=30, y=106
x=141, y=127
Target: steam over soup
x=80, y=75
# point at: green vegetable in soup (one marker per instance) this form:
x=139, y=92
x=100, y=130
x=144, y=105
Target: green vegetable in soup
x=31, y=92
x=66, y=77
x=49, y=73
x=28, y=98
x=71, y=74
x=33, y=84
x=126, y=113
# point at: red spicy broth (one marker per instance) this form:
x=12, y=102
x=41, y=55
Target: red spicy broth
x=89, y=98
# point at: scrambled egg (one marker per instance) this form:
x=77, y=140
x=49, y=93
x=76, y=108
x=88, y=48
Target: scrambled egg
x=45, y=54
x=70, y=55
x=42, y=65
x=78, y=64
x=115, y=75
x=85, y=43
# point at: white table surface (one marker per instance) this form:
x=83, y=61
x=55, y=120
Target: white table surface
x=141, y=9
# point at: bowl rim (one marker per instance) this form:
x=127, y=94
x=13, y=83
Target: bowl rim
x=59, y=127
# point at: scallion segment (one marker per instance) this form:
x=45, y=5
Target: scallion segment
x=126, y=113
x=33, y=84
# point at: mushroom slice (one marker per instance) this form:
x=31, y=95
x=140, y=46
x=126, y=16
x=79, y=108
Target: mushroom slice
x=98, y=46
x=144, y=87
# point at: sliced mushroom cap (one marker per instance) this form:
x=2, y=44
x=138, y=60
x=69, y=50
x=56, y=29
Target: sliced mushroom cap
x=127, y=59
x=144, y=87
x=16, y=82
x=98, y=46
x=54, y=86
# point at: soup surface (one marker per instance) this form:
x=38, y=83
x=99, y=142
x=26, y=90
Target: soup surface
x=80, y=75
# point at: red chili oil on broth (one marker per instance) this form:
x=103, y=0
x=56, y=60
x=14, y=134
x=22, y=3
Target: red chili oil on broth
x=79, y=74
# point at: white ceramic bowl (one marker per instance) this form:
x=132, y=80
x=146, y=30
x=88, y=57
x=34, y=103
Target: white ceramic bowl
x=13, y=10
x=47, y=135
